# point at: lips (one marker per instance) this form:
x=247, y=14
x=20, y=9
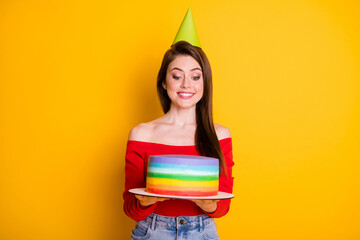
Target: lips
x=185, y=95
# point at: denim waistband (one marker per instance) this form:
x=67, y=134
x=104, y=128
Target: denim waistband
x=198, y=221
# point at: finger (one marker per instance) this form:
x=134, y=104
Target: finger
x=139, y=197
x=202, y=201
x=165, y=198
x=210, y=201
x=159, y=200
x=162, y=199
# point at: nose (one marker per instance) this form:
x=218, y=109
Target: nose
x=185, y=83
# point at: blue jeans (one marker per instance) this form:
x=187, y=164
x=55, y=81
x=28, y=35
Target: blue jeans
x=160, y=227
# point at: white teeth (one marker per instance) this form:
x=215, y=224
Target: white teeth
x=186, y=94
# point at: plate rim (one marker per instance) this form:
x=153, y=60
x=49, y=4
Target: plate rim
x=220, y=196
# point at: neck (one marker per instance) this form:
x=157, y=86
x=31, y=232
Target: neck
x=181, y=116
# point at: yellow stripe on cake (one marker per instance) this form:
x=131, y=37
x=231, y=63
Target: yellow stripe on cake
x=180, y=183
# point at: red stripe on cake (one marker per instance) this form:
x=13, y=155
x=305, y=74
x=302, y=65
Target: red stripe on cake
x=181, y=188
x=182, y=193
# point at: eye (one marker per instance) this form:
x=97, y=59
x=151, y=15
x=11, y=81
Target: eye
x=176, y=77
x=195, y=78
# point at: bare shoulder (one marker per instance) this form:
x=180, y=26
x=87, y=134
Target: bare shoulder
x=222, y=132
x=141, y=132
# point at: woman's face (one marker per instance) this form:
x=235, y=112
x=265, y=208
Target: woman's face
x=184, y=81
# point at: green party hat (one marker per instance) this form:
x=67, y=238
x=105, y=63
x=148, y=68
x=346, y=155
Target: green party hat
x=187, y=31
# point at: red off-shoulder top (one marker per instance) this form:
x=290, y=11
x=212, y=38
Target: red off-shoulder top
x=137, y=154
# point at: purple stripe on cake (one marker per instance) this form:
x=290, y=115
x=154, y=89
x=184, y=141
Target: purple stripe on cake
x=185, y=159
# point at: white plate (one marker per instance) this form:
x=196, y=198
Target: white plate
x=221, y=195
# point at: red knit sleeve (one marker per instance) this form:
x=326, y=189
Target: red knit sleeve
x=225, y=182
x=135, y=178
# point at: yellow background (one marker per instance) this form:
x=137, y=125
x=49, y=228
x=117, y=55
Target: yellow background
x=76, y=76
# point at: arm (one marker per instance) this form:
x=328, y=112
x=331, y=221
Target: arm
x=225, y=183
x=135, y=178
x=135, y=206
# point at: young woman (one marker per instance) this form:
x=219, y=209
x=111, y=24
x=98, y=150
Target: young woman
x=184, y=87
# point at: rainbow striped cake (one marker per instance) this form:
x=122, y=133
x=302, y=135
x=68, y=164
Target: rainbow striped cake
x=182, y=175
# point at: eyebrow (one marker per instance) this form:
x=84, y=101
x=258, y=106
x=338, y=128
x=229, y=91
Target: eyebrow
x=175, y=68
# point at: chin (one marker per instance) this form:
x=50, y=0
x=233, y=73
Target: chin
x=186, y=106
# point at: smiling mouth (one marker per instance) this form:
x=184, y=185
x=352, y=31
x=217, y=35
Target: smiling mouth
x=184, y=95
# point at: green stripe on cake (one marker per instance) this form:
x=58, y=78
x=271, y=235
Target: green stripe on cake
x=183, y=177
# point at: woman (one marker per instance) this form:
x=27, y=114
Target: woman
x=184, y=87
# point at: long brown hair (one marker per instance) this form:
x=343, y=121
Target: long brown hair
x=206, y=140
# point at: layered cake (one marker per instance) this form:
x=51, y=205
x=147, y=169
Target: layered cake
x=182, y=175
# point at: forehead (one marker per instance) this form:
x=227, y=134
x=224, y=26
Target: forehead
x=184, y=62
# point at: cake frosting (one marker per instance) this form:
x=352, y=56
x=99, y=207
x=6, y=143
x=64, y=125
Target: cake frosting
x=182, y=175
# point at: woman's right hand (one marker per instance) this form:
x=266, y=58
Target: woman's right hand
x=147, y=201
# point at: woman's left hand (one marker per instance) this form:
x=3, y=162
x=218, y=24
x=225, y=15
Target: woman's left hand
x=207, y=205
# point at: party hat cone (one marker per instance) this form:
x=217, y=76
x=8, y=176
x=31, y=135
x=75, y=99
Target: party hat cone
x=187, y=31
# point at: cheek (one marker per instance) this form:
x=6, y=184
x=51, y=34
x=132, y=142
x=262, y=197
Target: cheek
x=172, y=85
x=200, y=87
x=168, y=85
x=170, y=88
